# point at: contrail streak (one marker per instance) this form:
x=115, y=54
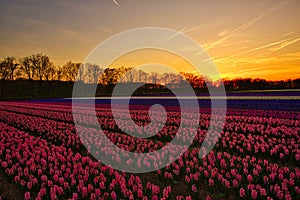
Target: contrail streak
x=245, y=26
x=176, y=33
x=282, y=44
x=116, y=2
x=192, y=29
x=285, y=44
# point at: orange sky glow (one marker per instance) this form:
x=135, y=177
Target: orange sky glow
x=256, y=39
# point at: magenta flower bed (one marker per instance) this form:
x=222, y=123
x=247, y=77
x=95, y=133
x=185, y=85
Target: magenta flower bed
x=256, y=157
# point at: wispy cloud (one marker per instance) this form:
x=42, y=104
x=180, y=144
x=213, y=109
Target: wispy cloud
x=31, y=21
x=222, y=33
x=244, y=26
x=285, y=44
x=235, y=43
x=270, y=61
x=106, y=30
x=280, y=45
x=70, y=33
x=193, y=28
x=255, y=69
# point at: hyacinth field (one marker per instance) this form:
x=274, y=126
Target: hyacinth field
x=256, y=157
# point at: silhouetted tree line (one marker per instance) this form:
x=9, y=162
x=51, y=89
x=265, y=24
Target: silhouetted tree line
x=36, y=76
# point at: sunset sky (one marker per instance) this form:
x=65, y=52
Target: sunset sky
x=253, y=38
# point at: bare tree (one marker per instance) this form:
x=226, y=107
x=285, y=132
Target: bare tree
x=175, y=80
x=92, y=73
x=49, y=73
x=59, y=74
x=70, y=70
x=4, y=74
x=4, y=71
x=128, y=75
x=166, y=77
x=154, y=76
x=142, y=76
x=132, y=75
x=110, y=76
x=122, y=74
x=198, y=82
x=189, y=77
x=96, y=70
x=80, y=72
x=41, y=63
x=10, y=65
x=27, y=67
